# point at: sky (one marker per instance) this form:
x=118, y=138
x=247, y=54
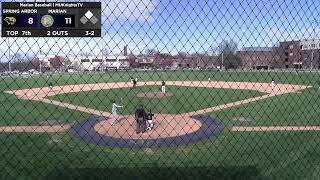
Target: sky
x=171, y=26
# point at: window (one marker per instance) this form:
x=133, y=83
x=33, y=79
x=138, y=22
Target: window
x=96, y=60
x=291, y=46
x=287, y=66
x=286, y=59
x=111, y=60
x=286, y=54
x=85, y=60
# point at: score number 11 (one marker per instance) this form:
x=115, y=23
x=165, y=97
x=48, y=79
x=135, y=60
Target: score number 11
x=68, y=20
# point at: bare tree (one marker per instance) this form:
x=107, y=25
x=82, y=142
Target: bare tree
x=213, y=50
x=182, y=54
x=17, y=57
x=227, y=52
x=76, y=65
x=151, y=52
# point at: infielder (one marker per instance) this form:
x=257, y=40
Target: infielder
x=50, y=87
x=115, y=107
x=273, y=83
x=134, y=82
x=163, y=87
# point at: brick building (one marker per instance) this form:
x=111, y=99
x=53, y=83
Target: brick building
x=290, y=56
x=188, y=62
x=167, y=61
x=259, y=58
x=303, y=54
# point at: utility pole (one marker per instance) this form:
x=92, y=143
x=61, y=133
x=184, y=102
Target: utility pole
x=222, y=66
x=315, y=21
x=9, y=60
x=40, y=61
x=311, y=65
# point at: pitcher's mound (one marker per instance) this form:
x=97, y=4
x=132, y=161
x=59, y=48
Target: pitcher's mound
x=154, y=94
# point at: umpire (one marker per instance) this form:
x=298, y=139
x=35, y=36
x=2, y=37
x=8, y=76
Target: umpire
x=140, y=115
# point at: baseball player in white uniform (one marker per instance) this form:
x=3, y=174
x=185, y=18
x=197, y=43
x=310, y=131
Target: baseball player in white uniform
x=50, y=87
x=273, y=83
x=115, y=107
x=149, y=120
x=163, y=87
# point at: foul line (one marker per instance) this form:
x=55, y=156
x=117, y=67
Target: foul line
x=36, y=129
x=274, y=128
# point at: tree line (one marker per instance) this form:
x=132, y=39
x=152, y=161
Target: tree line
x=225, y=54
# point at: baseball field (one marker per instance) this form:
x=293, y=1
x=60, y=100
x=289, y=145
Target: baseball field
x=262, y=132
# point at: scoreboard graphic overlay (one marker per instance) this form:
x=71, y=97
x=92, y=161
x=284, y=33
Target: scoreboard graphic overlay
x=51, y=19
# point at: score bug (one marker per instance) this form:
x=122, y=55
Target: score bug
x=45, y=21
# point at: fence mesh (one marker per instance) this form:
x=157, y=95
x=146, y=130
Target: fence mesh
x=172, y=89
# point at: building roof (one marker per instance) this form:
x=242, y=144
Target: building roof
x=265, y=49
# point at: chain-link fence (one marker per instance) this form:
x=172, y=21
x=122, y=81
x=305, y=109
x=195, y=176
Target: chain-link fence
x=171, y=89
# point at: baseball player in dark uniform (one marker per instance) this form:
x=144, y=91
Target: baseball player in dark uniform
x=134, y=82
x=140, y=115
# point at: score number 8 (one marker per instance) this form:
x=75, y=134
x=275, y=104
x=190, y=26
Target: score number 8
x=30, y=20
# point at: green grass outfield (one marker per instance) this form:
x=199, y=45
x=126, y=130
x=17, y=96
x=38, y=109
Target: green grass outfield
x=263, y=155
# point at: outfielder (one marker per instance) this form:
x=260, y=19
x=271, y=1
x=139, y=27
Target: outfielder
x=115, y=107
x=163, y=87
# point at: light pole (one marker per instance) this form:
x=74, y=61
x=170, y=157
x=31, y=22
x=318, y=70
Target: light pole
x=313, y=45
x=311, y=65
x=9, y=60
x=40, y=70
x=222, y=66
x=40, y=62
